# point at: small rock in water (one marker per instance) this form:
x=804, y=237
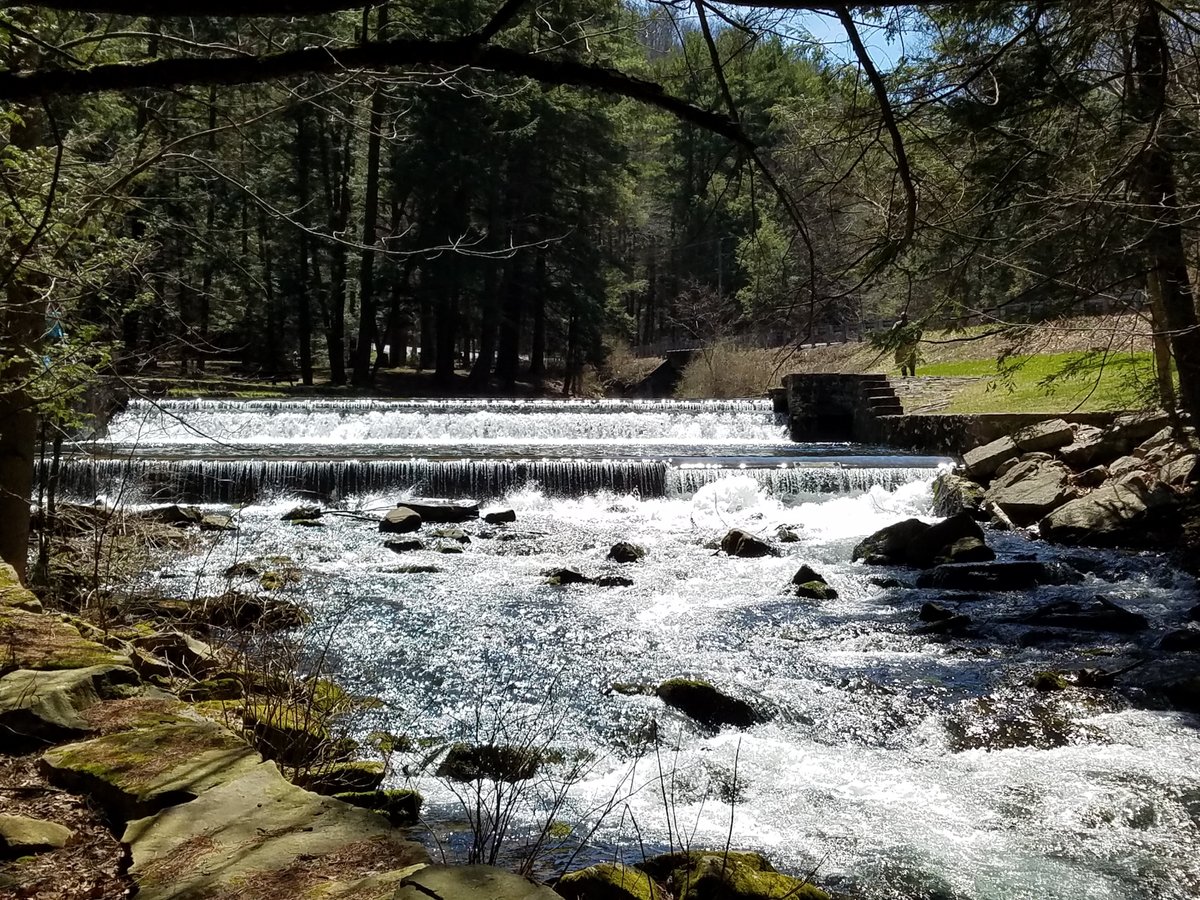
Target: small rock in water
x=452, y=534
x=742, y=543
x=786, y=535
x=449, y=548
x=1180, y=641
x=217, y=522
x=969, y=549
x=625, y=552
x=886, y=582
x=953, y=625
x=563, y=576
x=614, y=581
x=499, y=516
x=1099, y=615
x=400, y=520
x=174, y=515
x=302, y=513
x=404, y=546
x=414, y=569
x=811, y=584
x=1049, y=681
x=934, y=612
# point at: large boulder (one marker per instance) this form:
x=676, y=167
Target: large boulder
x=1048, y=435
x=706, y=704
x=982, y=462
x=953, y=494
x=400, y=520
x=182, y=650
x=727, y=875
x=888, y=546
x=500, y=516
x=915, y=543
x=742, y=543
x=1016, y=575
x=1030, y=489
x=1108, y=514
x=470, y=883
x=609, y=881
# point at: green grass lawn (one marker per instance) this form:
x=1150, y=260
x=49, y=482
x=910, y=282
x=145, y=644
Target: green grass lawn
x=1057, y=382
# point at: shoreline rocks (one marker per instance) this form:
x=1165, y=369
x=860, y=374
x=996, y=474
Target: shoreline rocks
x=1078, y=484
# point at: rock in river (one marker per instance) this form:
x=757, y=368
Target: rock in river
x=400, y=520
x=706, y=704
x=742, y=543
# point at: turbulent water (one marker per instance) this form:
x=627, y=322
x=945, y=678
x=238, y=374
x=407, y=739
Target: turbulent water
x=895, y=765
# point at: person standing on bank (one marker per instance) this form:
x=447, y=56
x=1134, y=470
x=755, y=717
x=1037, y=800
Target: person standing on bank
x=906, y=337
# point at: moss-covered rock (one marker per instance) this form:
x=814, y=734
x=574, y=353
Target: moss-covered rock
x=400, y=806
x=294, y=735
x=609, y=881
x=13, y=593
x=709, y=706
x=343, y=777
x=39, y=641
x=278, y=579
x=213, y=689
x=135, y=773
x=1049, y=681
x=815, y=590
x=715, y=875
x=467, y=763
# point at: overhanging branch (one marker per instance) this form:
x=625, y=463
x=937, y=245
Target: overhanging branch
x=410, y=53
x=265, y=8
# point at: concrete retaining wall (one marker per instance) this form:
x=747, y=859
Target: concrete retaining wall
x=830, y=407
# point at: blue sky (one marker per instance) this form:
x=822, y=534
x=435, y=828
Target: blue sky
x=885, y=50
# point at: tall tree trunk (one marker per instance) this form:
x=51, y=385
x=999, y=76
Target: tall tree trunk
x=22, y=321
x=210, y=236
x=447, y=312
x=367, y=326
x=1163, y=241
x=537, y=348
x=425, y=359
x=508, y=356
x=303, y=302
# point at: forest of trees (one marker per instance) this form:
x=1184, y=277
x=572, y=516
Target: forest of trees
x=296, y=185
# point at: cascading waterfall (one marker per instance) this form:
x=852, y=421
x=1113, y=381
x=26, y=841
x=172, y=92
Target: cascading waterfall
x=238, y=451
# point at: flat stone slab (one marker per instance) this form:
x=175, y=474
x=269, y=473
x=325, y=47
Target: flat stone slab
x=1029, y=490
x=982, y=462
x=470, y=883
x=37, y=641
x=1048, y=435
x=135, y=773
x=38, y=707
x=23, y=836
x=436, y=509
x=261, y=836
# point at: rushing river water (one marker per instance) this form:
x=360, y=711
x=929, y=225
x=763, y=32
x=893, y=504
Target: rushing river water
x=896, y=764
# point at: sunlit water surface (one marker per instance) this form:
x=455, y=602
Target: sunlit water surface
x=862, y=774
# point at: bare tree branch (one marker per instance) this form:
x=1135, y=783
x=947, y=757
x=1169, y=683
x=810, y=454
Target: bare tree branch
x=887, y=114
